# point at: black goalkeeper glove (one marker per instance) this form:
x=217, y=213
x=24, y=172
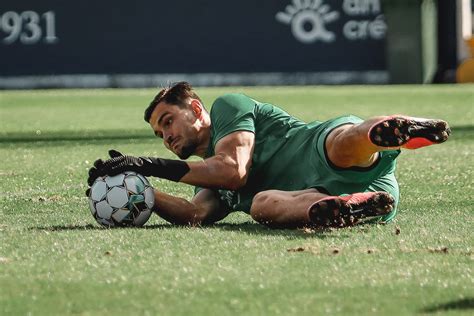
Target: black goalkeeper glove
x=148, y=166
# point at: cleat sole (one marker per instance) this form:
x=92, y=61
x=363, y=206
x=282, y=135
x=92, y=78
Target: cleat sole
x=409, y=132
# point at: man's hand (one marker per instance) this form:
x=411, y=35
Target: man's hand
x=147, y=166
x=116, y=165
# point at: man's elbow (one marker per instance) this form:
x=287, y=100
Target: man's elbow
x=236, y=181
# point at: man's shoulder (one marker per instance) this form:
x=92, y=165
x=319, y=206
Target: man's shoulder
x=232, y=102
x=230, y=99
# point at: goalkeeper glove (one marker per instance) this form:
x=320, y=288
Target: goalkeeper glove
x=169, y=169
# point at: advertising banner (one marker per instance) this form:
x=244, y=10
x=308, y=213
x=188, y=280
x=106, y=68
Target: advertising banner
x=252, y=38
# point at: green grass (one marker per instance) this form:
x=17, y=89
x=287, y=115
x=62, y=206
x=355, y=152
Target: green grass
x=55, y=260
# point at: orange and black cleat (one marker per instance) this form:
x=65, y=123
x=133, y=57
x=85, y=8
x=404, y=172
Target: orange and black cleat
x=341, y=211
x=408, y=132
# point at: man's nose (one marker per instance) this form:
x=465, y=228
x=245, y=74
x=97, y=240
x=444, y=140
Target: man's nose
x=169, y=139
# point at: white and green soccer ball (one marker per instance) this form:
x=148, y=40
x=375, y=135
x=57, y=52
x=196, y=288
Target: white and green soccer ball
x=123, y=200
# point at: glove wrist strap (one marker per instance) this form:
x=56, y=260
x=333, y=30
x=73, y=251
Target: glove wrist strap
x=169, y=169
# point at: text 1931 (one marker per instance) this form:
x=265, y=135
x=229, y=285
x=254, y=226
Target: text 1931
x=28, y=27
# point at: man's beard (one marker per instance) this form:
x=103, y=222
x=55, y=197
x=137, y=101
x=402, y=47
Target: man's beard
x=187, y=150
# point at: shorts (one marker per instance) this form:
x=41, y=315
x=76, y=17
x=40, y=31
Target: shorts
x=334, y=180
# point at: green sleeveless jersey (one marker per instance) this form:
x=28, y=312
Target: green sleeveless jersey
x=288, y=154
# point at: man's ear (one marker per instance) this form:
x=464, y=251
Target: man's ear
x=196, y=106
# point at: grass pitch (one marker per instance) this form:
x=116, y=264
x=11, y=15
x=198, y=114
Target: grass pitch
x=55, y=260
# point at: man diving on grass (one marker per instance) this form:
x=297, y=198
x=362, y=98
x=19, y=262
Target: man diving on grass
x=261, y=160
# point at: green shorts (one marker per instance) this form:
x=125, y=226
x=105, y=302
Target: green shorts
x=337, y=181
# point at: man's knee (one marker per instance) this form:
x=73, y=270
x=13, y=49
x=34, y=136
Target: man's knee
x=346, y=146
x=259, y=202
x=263, y=205
x=338, y=149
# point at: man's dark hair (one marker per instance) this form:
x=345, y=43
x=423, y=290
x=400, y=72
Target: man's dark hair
x=176, y=94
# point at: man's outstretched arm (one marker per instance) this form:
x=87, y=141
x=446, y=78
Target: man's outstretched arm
x=227, y=169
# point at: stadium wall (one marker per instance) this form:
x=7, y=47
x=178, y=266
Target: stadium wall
x=53, y=43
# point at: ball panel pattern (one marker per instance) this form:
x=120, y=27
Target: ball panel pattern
x=105, y=222
x=123, y=200
x=115, y=180
x=104, y=210
x=143, y=217
x=149, y=197
x=120, y=215
x=98, y=190
x=144, y=180
x=92, y=207
x=134, y=184
x=117, y=197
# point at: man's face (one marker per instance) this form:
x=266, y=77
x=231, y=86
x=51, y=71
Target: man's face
x=177, y=127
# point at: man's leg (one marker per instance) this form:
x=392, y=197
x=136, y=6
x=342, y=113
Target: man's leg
x=292, y=209
x=364, y=153
x=341, y=211
x=358, y=144
x=387, y=183
x=284, y=209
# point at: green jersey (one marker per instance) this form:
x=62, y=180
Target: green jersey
x=289, y=154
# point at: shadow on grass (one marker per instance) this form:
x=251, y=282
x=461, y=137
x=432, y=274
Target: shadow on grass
x=463, y=304
x=248, y=228
x=257, y=229
x=56, y=228
x=76, y=136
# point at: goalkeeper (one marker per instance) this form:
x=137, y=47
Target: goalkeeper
x=259, y=159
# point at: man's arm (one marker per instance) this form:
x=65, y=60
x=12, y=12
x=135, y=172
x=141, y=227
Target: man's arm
x=204, y=208
x=230, y=166
x=228, y=169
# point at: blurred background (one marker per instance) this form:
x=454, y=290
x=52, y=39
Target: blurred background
x=98, y=44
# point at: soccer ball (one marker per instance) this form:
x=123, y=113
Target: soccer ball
x=123, y=200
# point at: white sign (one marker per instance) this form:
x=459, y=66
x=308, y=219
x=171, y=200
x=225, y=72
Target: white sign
x=28, y=27
x=309, y=20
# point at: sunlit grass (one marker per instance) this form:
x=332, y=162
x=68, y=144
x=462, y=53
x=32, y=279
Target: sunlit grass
x=55, y=260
